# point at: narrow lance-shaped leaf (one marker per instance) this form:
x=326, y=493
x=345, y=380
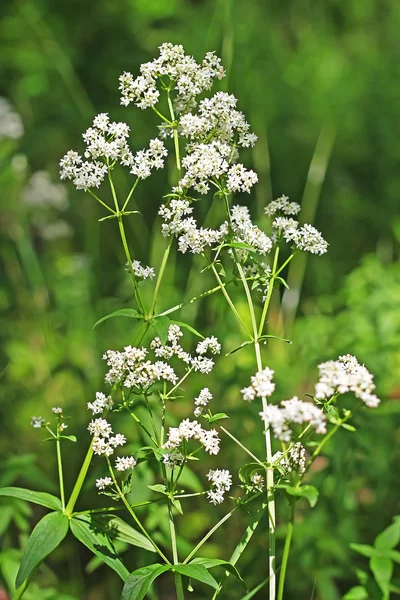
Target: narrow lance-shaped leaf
x=209, y=563
x=47, y=535
x=138, y=583
x=122, y=312
x=198, y=572
x=91, y=532
x=42, y=498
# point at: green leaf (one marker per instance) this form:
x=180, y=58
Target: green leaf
x=382, y=569
x=305, y=491
x=42, y=498
x=189, y=328
x=198, y=572
x=122, y=312
x=91, y=532
x=209, y=563
x=125, y=533
x=275, y=337
x=356, y=593
x=138, y=583
x=159, y=487
x=47, y=535
x=176, y=503
x=248, y=470
x=365, y=550
x=390, y=537
x=348, y=427
x=161, y=325
x=218, y=417
x=246, y=343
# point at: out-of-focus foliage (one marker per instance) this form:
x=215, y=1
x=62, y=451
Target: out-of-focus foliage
x=320, y=84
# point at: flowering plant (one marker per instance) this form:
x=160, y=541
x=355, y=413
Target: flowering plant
x=206, y=136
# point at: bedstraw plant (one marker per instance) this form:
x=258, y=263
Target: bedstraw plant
x=206, y=133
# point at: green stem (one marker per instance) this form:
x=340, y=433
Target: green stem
x=161, y=115
x=176, y=138
x=241, y=546
x=79, y=482
x=269, y=293
x=133, y=188
x=326, y=439
x=179, y=383
x=133, y=514
x=101, y=201
x=194, y=299
x=286, y=550
x=125, y=243
x=228, y=299
x=268, y=445
x=60, y=473
x=160, y=277
x=177, y=576
x=209, y=534
x=242, y=446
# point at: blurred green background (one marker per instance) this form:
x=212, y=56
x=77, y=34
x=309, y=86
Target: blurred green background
x=320, y=84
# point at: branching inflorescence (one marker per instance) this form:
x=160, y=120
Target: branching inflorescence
x=206, y=134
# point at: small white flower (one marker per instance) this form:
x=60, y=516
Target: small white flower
x=125, y=463
x=37, y=422
x=56, y=410
x=100, y=404
x=103, y=482
x=261, y=386
x=209, y=343
x=221, y=482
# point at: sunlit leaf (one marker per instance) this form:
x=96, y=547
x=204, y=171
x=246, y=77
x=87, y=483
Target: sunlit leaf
x=42, y=498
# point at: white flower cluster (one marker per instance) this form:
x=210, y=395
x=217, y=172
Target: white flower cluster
x=221, y=482
x=218, y=116
x=201, y=402
x=189, y=78
x=305, y=238
x=209, y=344
x=133, y=368
x=103, y=482
x=144, y=161
x=261, y=386
x=190, y=237
x=104, y=441
x=100, y=404
x=293, y=460
x=244, y=231
x=125, y=463
x=173, y=458
x=106, y=144
x=192, y=430
x=346, y=375
x=140, y=271
x=258, y=482
x=136, y=372
x=293, y=411
x=38, y=422
x=282, y=206
x=206, y=162
x=57, y=410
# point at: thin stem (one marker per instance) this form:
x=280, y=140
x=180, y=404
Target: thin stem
x=101, y=201
x=268, y=446
x=79, y=482
x=258, y=461
x=60, y=473
x=133, y=188
x=161, y=115
x=326, y=439
x=125, y=243
x=269, y=293
x=177, y=576
x=194, y=299
x=286, y=550
x=160, y=277
x=228, y=299
x=179, y=383
x=209, y=534
x=133, y=515
x=176, y=138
